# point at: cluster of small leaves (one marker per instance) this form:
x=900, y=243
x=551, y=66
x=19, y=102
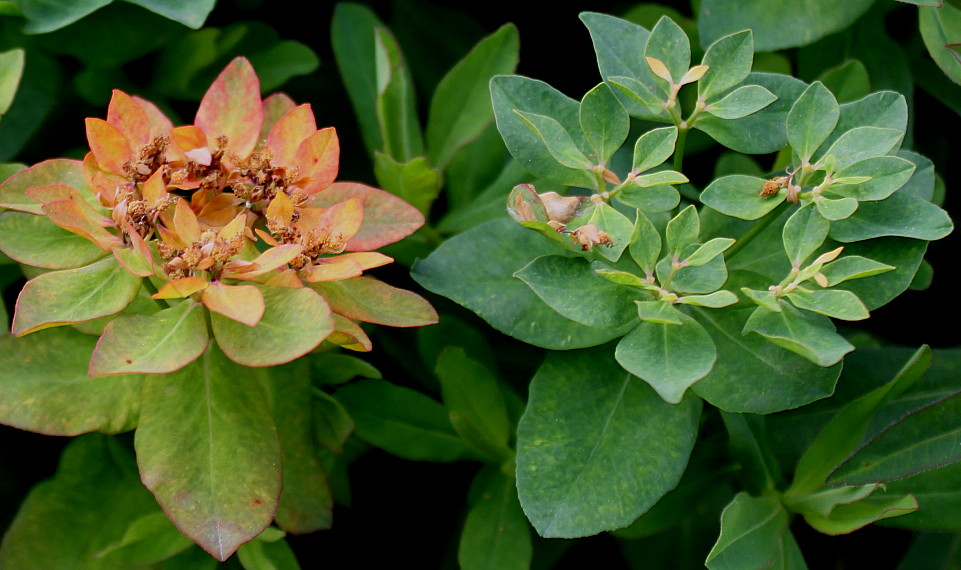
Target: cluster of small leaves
x=737, y=311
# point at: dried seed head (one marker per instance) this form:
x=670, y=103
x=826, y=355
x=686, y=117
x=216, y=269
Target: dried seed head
x=772, y=186
x=560, y=208
x=589, y=235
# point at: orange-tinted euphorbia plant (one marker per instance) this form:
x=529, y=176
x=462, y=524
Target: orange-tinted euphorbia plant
x=196, y=253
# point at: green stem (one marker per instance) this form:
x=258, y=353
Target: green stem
x=679, y=148
x=755, y=230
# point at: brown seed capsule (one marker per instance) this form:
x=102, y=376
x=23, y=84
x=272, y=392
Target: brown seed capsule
x=589, y=235
x=560, y=208
x=772, y=186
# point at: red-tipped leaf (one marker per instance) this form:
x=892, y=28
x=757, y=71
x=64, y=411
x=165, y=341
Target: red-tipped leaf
x=232, y=108
x=387, y=218
x=318, y=159
x=109, y=145
x=242, y=303
x=289, y=133
x=128, y=116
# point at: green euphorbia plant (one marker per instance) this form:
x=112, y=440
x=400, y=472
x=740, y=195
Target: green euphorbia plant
x=196, y=253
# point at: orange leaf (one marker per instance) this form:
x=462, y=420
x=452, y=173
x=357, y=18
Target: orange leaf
x=242, y=303
x=71, y=216
x=189, y=138
x=387, y=218
x=100, y=181
x=185, y=222
x=232, y=108
x=318, y=158
x=269, y=260
x=281, y=209
x=344, y=218
x=58, y=192
x=171, y=238
x=368, y=259
x=108, y=145
x=129, y=118
x=183, y=287
x=269, y=239
x=287, y=135
x=154, y=190
x=220, y=210
x=349, y=335
x=285, y=278
x=275, y=107
x=159, y=123
x=234, y=228
x=333, y=269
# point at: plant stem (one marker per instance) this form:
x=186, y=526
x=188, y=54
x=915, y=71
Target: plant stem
x=755, y=230
x=679, y=148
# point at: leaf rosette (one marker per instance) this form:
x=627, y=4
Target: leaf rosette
x=238, y=214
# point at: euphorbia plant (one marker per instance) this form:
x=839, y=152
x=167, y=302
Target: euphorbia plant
x=721, y=295
x=196, y=253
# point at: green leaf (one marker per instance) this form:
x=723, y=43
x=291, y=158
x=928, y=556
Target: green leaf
x=515, y=93
x=759, y=132
x=395, y=104
x=682, y=231
x=557, y=140
x=372, y=301
x=332, y=423
x=715, y=300
x=58, y=397
x=839, y=304
x=57, y=171
x=43, y=16
x=159, y=343
x=295, y=321
x=658, y=312
x=729, y=62
x=751, y=534
x=668, y=357
x=888, y=173
x=845, y=519
x=841, y=436
x=263, y=554
x=670, y=45
x=476, y=269
x=414, y=181
x=905, y=255
x=901, y=215
x=618, y=227
x=777, y=24
x=861, y=143
x=810, y=335
x=650, y=199
x=66, y=521
x=11, y=70
x=653, y=148
x=305, y=502
x=475, y=403
x=660, y=177
x=35, y=240
x=645, y=245
x=460, y=108
x=812, y=119
x=619, y=46
x=74, y=295
x=352, y=37
x=752, y=375
x=938, y=497
x=738, y=195
x=190, y=13
x=496, y=533
x=939, y=28
x=568, y=286
x=881, y=109
x=587, y=474
x=924, y=439
x=852, y=267
x=834, y=210
x=642, y=96
x=402, y=421
x=803, y=234
x=741, y=102
x=148, y=540
x=207, y=449
x=848, y=81
x=700, y=279
x=708, y=251
x=604, y=121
